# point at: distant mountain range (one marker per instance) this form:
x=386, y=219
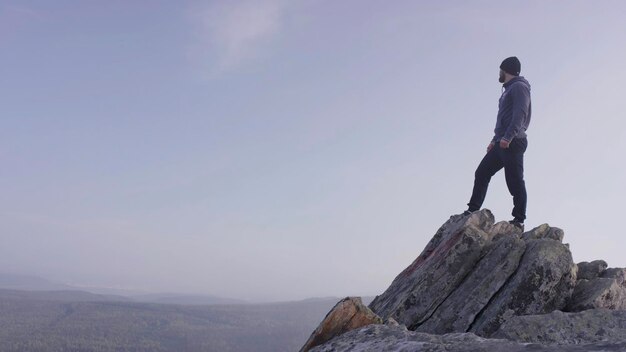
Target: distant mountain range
x=31, y=283
x=40, y=315
x=81, y=294
x=34, y=287
x=70, y=320
x=184, y=299
x=60, y=296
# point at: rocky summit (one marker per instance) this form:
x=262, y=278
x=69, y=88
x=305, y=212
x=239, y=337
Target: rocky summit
x=486, y=286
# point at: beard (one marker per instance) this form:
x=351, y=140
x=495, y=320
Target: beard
x=501, y=79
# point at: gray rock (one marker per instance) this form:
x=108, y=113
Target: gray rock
x=504, y=229
x=619, y=274
x=597, y=293
x=566, y=328
x=447, y=259
x=392, y=322
x=350, y=313
x=377, y=338
x=544, y=231
x=589, y=271
x=459, y=310
x=542, y=283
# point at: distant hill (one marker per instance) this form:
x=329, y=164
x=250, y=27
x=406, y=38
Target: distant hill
x=48, y=321
x=185, y=299
x=71, y=293
x=28, y=282
x=59, y=296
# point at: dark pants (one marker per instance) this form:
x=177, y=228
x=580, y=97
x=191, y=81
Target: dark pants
x=512, y=159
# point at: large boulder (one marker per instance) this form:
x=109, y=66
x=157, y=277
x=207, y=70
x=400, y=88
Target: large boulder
x=473, y=274
x=544, y=231
x=597, y=293
x=349, y=314
x=619, y=274
x=598, y=287
x=589, y=326
x=589, y=271
x=447, y=259
x=459, y=310
x=543, y=282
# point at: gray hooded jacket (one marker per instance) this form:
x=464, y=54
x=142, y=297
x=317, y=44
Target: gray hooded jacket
x=514, y=110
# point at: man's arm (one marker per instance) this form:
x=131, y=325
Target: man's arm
x=521, y=102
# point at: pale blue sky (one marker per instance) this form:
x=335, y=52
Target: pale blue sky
x=272, y=150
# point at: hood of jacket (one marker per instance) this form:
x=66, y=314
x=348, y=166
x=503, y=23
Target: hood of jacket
x=518, y=79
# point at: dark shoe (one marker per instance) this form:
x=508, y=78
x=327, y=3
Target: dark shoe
x=517, y=223
x=469, y=212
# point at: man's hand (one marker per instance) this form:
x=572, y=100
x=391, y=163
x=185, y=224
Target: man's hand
x=490, y=146
x=504, y=143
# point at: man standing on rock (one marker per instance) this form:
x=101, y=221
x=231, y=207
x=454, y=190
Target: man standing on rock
x=506, y=149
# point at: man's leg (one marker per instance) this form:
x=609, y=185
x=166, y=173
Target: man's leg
x=488, y=167
x=513, y=158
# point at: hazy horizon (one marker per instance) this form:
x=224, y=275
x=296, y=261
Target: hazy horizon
x=279, y=150
x=27, y=282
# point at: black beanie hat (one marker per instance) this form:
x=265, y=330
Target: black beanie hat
x=511, y=65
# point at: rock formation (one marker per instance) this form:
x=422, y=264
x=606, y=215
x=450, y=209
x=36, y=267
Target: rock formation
x=381, y=337
x=594, y=325
x=599, y=287
x=350, y=313
x=478, y=279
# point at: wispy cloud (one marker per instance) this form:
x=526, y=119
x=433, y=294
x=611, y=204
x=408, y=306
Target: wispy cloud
x=231, y=33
